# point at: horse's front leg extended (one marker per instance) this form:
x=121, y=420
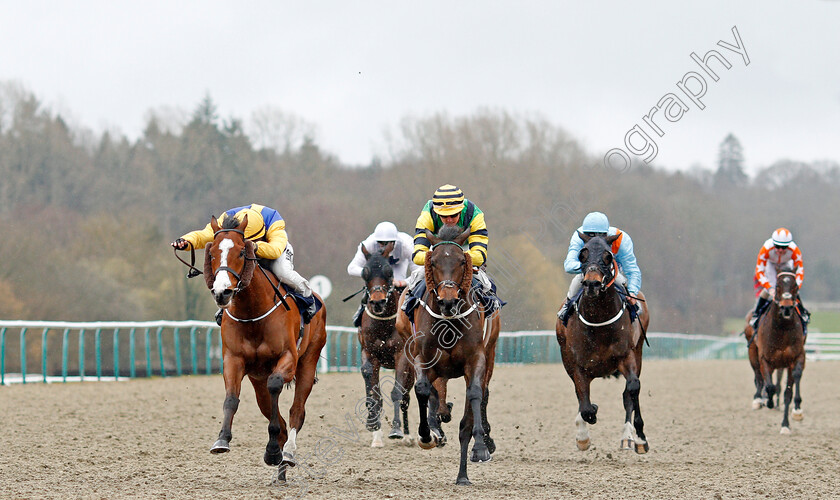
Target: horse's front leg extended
x=788, y=397
x=283, y=373
x=797, y=398
x=587, y=412
x=632, y=389
x=234, y=372
x=422, y=390
x=769, y=387
x=475, y=397
x=373, y=401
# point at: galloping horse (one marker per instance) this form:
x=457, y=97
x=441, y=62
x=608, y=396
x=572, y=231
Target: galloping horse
x=778, y=344
x=453, y=338
x=383, y=346
x=600, y=341
x=260, y=339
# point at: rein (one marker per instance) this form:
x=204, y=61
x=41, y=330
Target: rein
x=193, y=272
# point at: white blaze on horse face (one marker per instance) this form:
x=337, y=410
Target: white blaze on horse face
x=223, y=279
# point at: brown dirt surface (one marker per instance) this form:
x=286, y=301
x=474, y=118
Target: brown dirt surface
x=150, y=438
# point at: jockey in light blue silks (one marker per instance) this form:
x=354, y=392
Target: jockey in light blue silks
x=630, y=277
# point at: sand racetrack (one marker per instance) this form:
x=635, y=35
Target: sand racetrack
x=149, y=438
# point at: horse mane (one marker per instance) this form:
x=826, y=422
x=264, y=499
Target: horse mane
x=231, y=222
x=449, y=233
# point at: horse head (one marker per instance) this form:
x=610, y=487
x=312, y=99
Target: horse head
x=379, y=278
x=597, y=263
x=786, y=293
x=448, y=268
x=229, y=260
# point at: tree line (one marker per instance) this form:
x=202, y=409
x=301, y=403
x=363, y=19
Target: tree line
x=88, y=218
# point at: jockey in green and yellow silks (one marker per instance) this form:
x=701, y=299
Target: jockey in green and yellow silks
x=449, y=207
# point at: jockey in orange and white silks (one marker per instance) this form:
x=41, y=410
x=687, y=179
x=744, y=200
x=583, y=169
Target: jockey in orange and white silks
x=267, y=229
x=777, y=253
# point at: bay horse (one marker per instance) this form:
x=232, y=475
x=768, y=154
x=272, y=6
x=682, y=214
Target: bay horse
x=600, y=341
x=779, y=344
x=452, y=339
x=382, y=345
x=260, y=339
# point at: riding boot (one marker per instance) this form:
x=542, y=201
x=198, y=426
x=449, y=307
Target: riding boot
x=565, y=311
x=357, y=318
x=805, y=316
x=219, y=317
x=760, y=306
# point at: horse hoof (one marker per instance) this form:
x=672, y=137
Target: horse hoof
x=642, y=448
x=583, y=445
x=770, y=403
x=462, y=481
x=491, y=445
x=480, y=456
x=439, y=437
x=446, y=417
x=797, y=415
x=220, y=446
x=376, y=442
x=626, y=444
x=288, y=460
x=396, y=434
x=757, y=404
x=281, y=477
x=785, y=430
x=427, y=445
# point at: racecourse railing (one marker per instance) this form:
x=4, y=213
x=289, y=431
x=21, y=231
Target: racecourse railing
x=48, y=351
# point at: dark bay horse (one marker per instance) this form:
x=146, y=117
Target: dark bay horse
x=451, y=340
x=600, y=341
x=260, y=340
x=383, y=346
x=779, y=344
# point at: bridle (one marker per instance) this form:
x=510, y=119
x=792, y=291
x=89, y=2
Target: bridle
x=446, y=284
x=387, y=291
x=785, y=295
x=238, y=288
x=604, y=286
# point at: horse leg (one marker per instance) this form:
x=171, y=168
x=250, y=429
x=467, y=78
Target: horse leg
x=627, y=439
x=797, y=399
x=434, y=413
x=491, y=445
x=587, y=412
x=788, y=396
x=464, y=438
x=234, y=372
x=305, y=377
x=634, y=386
x=400, y=399
x=444, y=409
x=475, y=397
x=283, y=373
x=769, y=387
x=370, y=372
x=758, y=400
x=422, y=390
x=779, y=373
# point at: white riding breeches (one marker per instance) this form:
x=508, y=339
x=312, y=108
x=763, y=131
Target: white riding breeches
x=574, y=286
x=284, y=269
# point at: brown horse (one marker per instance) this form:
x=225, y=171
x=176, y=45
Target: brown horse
x=779, y=344
x=383, y=346
x=260, y=338
x=452, y=339
x=600, y=341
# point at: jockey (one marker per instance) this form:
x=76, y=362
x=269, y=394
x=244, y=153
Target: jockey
x=630, y=276
x=267, y=229
x=777, y=253
x=449, y=207
x=399, y=257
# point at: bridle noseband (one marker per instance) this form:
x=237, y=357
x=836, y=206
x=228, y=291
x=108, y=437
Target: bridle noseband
x=238, y=288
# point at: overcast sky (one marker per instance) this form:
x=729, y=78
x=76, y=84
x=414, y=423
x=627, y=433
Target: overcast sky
x=356, y=68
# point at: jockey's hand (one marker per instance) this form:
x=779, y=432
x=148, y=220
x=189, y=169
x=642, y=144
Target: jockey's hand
x=400, y=283
x=631, y=299
x=180, y=244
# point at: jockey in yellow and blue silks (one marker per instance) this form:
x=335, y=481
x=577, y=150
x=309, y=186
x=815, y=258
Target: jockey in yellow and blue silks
x=267, y=229
x=630, y=276
x=449, y=207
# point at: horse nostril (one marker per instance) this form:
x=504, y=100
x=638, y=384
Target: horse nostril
x=226, y=293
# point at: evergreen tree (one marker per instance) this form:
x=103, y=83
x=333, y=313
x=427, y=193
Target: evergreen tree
x=730, y=170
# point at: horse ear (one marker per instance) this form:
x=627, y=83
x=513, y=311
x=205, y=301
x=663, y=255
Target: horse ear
x=214, y=224
x=209, y=277
x=243, y=224
x=466, y=281
x=584, y=237
x=364, y=251
x=611, y=239
x=365, y=273
x=463, y=237
x=434, y=240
